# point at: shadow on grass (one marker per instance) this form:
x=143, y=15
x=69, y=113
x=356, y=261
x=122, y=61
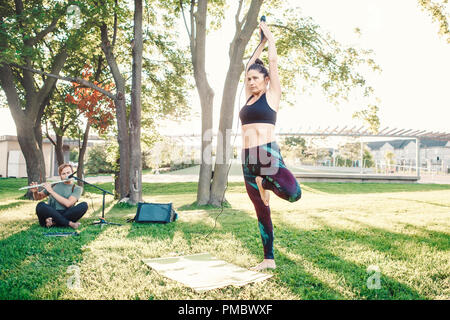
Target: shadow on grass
x=157, y=231
x=9, y=188
x=112, y=212
x=361, y=188
x=288, y=273
x=12, y=205
x=385, y=241
x=194, y=206
x=161, y=231
x=30, y=261
x=420, y=201
x=314, y=246
x=434, y=235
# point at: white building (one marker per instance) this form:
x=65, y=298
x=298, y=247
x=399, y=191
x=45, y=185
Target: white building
x=434, y=154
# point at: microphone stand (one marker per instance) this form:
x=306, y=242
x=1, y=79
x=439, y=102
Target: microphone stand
x=102, y=220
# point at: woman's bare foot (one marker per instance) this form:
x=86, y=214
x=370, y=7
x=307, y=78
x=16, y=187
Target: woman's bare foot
x=74, y=225
x=265, y=195
x=265, y=264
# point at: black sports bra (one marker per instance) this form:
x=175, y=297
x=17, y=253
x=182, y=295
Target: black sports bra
x=258, y=112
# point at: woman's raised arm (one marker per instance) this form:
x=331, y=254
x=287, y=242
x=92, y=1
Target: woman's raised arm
x=274, y=84
x=252, y=60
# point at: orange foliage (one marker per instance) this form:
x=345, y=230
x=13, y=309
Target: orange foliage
x=95, y=106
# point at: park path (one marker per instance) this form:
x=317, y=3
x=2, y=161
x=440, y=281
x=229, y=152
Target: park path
x=191, y=175
x=157, y=178
x=164, y=178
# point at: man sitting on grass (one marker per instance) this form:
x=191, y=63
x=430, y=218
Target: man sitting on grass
x=60, y=210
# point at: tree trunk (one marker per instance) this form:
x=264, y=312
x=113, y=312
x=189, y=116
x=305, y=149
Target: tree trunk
x=82, y=153
x=223, y=152
x=124, y=147
x=59, y=150
x=58, y=144
x=37, y=128
x=27, y=113
x=121, y=114
x=135, y=111
x=206, y=94
x=244, y=30
x=204, y=180
x=27, y=121
x=34, y=157
x=30, y=144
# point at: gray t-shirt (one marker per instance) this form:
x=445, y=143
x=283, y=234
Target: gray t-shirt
x=64, y=190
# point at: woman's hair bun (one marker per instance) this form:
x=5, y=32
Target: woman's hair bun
x=258, y=61
x=259, y=66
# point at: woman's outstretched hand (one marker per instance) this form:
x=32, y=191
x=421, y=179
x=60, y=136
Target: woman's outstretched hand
x=267, y=34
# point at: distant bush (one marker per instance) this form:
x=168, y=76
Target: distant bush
x=170, y=155
x=101, y=159
x=73, y=155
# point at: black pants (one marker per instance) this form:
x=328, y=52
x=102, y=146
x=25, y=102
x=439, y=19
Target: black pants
x=60, y=217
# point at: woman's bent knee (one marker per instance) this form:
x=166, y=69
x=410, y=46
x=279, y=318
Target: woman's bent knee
x=296, y=195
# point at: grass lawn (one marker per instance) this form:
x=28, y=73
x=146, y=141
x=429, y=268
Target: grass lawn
x=324, y=244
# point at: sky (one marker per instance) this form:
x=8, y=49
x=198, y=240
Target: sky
x=414, y=86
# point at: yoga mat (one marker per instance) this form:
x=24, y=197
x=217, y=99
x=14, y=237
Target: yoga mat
x=203, y=272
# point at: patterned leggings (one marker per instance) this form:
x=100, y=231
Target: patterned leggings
x=266, y=161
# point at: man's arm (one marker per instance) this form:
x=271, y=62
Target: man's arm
x=63, y=201
x=37, y=195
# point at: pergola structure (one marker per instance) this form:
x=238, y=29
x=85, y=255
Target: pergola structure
x=360, y=132
x=385, y=133
x=365, y=132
